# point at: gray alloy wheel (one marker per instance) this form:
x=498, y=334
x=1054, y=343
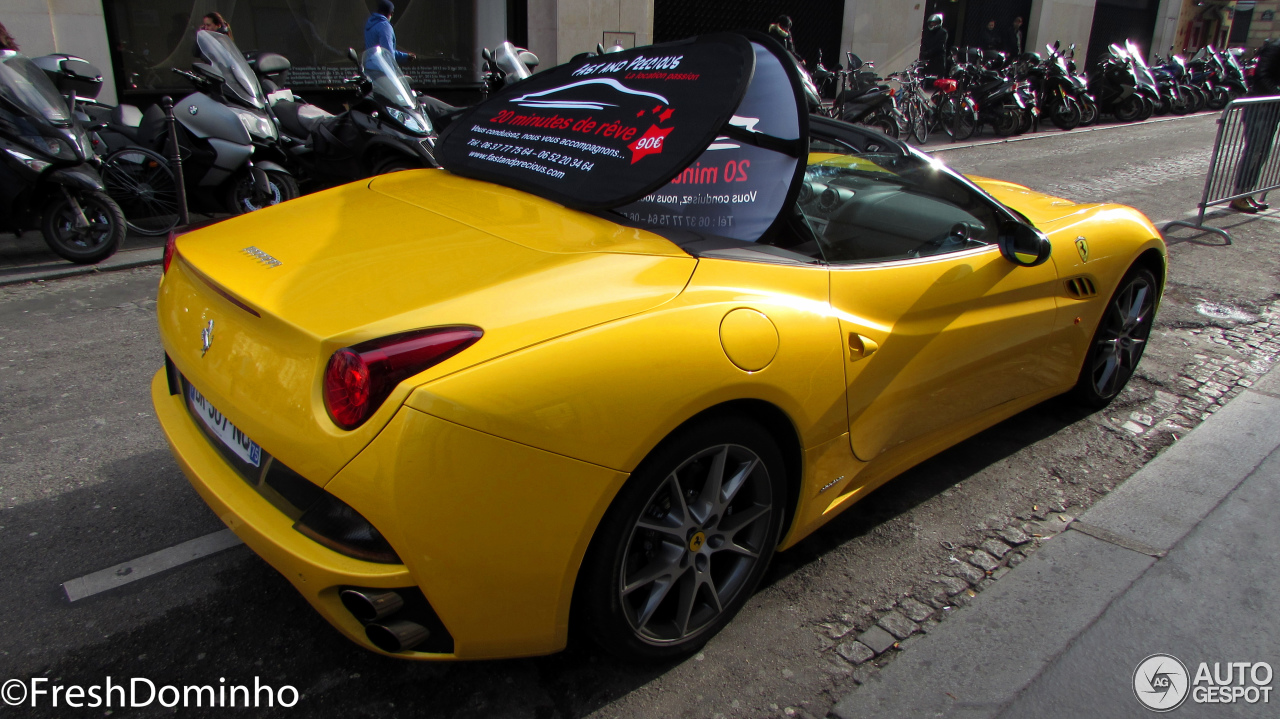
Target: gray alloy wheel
x=1120, y=339
x=696, y=543
x=685, y=542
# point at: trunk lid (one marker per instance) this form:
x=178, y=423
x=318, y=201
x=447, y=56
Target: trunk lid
x=287, y=286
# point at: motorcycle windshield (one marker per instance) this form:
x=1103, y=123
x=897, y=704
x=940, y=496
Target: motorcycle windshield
x=389, y=83
x=1140, y=68
x=226, y=58
x=508, y=60
x=26, y=87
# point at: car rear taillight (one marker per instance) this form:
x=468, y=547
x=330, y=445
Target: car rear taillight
x=170, y=248
x=359, y=378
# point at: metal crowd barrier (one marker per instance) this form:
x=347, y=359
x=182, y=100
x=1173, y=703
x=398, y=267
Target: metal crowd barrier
x=1244, y=161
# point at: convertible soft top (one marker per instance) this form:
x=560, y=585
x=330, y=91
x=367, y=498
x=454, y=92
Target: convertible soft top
x=707, y=134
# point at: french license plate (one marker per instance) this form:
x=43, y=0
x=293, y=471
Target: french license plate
x=236, y=440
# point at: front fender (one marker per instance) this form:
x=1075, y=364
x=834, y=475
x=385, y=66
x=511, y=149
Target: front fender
x=79, y=177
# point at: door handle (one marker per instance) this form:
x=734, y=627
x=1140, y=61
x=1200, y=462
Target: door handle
x=861, y=347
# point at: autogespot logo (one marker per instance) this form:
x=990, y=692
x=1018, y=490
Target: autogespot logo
x=1160, y=682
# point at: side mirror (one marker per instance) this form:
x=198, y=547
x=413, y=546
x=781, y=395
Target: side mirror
x=599, y=49
x=1023, y=245
x=1057, y=44
x=352, y=56
x=488, y=56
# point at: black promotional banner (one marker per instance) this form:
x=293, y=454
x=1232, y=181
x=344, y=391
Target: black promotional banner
x=737, y=187
x=605, y=131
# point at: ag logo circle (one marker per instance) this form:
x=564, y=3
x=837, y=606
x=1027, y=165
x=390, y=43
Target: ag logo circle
x=1161, y=682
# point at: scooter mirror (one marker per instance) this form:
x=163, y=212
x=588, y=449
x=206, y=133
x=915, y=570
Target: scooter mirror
x=1057, y=44
x=352, y=56
x=599, y=49
x=488, y=56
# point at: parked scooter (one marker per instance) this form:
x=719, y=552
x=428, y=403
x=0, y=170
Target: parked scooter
x=865, y=98
x=48, y=177
x=385, y=130
x=1115, y=86
x=996, y=96
x=218, y=128
x=507, y=65
x=1058, y=91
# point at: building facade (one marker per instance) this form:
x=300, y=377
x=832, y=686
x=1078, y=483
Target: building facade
x=136, y=42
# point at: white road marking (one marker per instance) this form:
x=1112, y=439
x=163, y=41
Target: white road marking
x=154, y=563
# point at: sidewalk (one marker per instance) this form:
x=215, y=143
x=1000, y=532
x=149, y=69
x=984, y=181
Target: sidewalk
x=1180, y=559
x=26, y=257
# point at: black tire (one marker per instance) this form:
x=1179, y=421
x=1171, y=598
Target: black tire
x=143, y=185
x=1129, y=110
x=1119, y=340
x=1025, y=121
x=240, y=199
x=1088, y=113
x=1066, y=115
x=87, y=245
x=1148, y=109
x=1006, y=122
x=1196, y=98
x=677, y=563
x=884, y=123
x=1180, y=104
x=1164, y=106
x=1218, y=98
x=959, y=120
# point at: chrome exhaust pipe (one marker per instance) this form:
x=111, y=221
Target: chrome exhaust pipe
x=397, y=635
x=370, y=606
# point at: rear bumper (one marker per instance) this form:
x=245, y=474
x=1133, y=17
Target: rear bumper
x=493, y=532
x=316, y=572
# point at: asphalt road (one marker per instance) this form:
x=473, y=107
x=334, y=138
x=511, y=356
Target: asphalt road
x=87, y=482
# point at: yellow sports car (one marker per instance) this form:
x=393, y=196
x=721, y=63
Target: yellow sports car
x=651, y=324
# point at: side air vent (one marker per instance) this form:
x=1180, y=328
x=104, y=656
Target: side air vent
x=1081, y=288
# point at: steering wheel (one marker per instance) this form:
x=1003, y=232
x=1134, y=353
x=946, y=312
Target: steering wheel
x=957, y=235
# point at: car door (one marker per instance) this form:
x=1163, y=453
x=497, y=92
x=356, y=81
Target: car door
x=937, y=325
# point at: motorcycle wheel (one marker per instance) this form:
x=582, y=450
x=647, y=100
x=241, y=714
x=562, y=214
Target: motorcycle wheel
x=144, y=187
x=240, y=199
x=1129, y=110
x=1148, y=108
x=1164, y=107
x=1006, y=122
x=1025, y=121
x=1088, y=112
x=83, y=245
x=1066, y=115
x=884, y=123
x=1180, y=105
x=1218, y=98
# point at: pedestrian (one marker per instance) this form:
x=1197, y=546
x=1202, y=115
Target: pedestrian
x=214, y=22
x=6, y=40
x=1017, y=39
x=781, y=31
x=933, y=46
x=379, y=33
x=989, y=39
x=1259, y=127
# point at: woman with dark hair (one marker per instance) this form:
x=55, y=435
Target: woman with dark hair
x=214, y=22
x=6, y=40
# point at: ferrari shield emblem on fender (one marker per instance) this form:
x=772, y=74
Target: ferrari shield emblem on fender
x=1082, y=245
x=206, y=338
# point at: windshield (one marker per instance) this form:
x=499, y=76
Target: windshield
x=26, y=86
x=223, y=54
x=508, y=60
x=1140, y=65
x=389, y=83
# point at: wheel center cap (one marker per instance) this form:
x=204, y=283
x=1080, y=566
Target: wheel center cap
x=696, y=541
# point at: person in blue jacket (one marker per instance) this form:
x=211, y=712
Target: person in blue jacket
x=378, y=31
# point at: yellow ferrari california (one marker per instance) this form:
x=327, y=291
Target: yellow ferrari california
x=651, y=324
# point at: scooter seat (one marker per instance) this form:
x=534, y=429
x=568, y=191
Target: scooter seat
x=300, y=119
x=126, y=119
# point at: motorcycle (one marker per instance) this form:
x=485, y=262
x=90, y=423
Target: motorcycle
x=997, y=98
x=863, y=98
x=387, y=129
x=220, y=127
x=1059, y=91
x=1176, y=95
x=49, y=176
x=507, y=65
x=1210, y=71
x=1115, y=86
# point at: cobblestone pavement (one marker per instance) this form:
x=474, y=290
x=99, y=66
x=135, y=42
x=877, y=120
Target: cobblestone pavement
x=87, y=483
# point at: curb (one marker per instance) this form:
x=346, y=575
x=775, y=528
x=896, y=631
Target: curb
x=1047, y=136
x=1031, y=617
x=154, y=256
